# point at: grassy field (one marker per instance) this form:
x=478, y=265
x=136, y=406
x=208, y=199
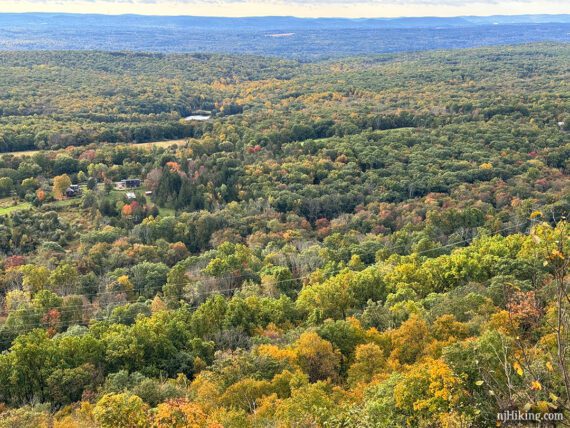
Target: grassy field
x=22, y=153
x=166, y=212
x=160, y=144
x=149, y=145
x=6, y=206
x=64, y=203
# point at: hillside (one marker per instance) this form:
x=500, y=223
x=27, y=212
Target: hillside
x=374, y=241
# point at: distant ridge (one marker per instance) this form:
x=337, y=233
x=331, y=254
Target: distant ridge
x=269, y=22
x=310, y=38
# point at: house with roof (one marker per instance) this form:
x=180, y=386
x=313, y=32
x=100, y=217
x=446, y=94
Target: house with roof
x=129, y=183
x=73, y=191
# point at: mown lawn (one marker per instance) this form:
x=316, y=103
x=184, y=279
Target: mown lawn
x=64, y=203
x=147, y=146
x=7, y=209
x=166, y=212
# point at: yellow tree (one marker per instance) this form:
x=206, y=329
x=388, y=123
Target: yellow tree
x=312, y=405
x=428, y=392
x=123, y=410
x=549, y=246
x=179, y=413
x=316, y=357
x=368, y=360
x=60, y=184
x=34, y=277
x=245, y=394
x=409, y=341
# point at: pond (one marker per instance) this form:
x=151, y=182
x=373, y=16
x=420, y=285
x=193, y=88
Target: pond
x=200, y=117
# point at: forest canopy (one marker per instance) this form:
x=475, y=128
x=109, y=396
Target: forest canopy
x=377, y=241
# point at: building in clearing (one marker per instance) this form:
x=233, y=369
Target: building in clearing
x=129, y=183
x=72, y=191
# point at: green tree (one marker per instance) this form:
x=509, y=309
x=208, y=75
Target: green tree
x=6, y=186
x=122, y=410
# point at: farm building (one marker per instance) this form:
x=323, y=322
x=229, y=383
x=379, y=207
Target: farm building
x=129, y=183
x=73, y=190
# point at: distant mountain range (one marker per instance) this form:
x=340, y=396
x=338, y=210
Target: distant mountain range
x=270, y=22
x=282, y=36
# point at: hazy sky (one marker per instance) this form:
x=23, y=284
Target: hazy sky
x=306, y=8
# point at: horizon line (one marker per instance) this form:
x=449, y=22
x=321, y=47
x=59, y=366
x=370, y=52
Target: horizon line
x=290, y=16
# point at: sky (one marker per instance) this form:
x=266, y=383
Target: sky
x=301, y=8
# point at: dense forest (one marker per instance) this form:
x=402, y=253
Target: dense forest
x=375, y=241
